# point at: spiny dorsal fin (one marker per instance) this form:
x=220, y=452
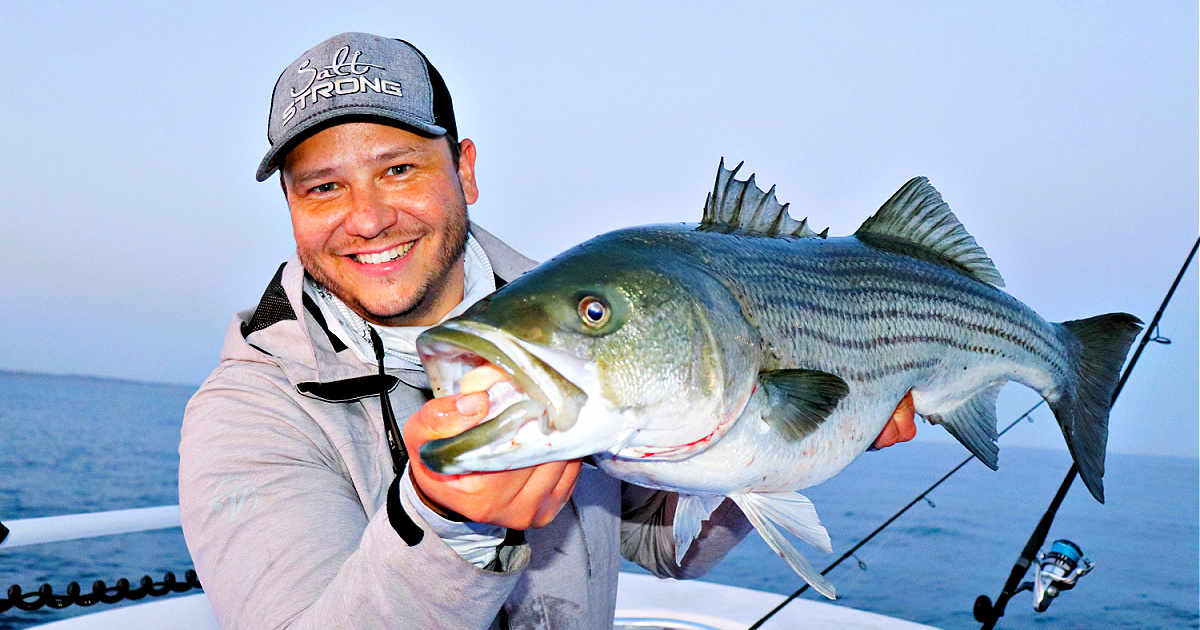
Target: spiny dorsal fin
x=742, y=207
x=917, y=215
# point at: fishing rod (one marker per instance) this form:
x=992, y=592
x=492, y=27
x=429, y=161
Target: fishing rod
x=1146, y=338
x=989, y=614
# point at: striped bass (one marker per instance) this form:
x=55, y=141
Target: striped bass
x=749, y=357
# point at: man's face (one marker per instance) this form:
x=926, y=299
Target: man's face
x=380, y=218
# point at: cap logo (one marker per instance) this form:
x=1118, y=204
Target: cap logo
x=344, y=75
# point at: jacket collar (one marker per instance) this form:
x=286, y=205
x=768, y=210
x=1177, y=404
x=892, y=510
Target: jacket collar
x=287, y=329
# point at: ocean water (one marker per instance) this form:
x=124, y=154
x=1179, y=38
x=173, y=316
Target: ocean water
x=76, y=444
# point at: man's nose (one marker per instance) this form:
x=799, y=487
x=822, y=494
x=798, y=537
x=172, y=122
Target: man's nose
x=370, y=214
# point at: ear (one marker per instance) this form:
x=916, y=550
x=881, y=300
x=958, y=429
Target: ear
x=466, y=170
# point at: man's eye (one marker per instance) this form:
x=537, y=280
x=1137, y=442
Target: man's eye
x=323, y=188
x=399, y=169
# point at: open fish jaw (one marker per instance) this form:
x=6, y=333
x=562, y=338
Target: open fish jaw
x=530, y=418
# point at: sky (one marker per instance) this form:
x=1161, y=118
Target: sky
x=1063, y=135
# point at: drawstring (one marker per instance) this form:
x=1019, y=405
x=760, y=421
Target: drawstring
x=394, y=438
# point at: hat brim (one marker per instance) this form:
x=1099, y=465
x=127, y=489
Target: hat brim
x=301, y=131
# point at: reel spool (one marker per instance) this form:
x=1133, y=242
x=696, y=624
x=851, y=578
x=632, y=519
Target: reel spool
x=1058, y=570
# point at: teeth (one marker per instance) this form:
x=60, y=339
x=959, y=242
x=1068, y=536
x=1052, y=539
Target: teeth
x=382, y=257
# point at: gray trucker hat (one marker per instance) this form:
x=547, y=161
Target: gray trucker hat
x=356, y=74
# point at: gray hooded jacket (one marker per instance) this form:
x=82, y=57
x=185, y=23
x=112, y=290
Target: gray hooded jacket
x=293, y=519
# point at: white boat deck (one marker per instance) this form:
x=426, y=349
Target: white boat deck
x=643, y=602
x=734, y=608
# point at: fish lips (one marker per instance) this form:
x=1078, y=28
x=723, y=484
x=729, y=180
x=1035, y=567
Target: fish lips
x=511, y=439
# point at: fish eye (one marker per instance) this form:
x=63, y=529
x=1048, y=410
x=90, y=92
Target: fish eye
x=593, y=311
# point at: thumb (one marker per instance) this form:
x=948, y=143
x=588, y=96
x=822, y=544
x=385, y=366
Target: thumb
x=472, y=405
x=445, y=417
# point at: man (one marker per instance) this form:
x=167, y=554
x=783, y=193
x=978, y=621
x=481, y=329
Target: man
x=300, y=506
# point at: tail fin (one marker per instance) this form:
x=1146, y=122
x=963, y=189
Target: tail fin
x=1083, y=413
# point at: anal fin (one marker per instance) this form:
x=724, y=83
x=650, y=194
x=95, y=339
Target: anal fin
x=796, y=514
x=691, y=510
x=973, y=423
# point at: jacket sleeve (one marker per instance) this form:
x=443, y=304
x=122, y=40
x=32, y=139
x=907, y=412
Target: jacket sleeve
x=280, y=538
x=647, y=538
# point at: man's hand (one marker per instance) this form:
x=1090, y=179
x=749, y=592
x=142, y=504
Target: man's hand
x=516, y=499
x=900, y=427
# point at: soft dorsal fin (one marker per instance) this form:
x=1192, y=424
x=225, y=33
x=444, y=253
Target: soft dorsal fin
x=916, y=215
x=741, y=206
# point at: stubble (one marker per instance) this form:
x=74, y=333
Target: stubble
x=424, y=297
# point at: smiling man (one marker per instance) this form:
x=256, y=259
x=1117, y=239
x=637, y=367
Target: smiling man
x=300, y=502
x=380, y=219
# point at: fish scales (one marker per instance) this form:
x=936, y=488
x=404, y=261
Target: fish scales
x=880, y=293
x=786, y=308
x=748, y=357
x=882, y=297
x=879, y=280
x=805, y=309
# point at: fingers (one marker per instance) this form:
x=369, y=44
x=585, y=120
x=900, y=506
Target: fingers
x=564, y=485
x=887, y=436
x=524, y=498
x=440, y=418
x=905, y=419
x=471, y=408
x=517, y=499
x=901, y=427
x=444, y=417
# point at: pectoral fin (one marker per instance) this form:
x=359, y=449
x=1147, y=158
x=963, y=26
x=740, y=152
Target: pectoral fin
x=798, y=401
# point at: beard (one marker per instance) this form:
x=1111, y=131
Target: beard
x=421, y=300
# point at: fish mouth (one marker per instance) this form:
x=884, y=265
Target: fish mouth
x=538, y=404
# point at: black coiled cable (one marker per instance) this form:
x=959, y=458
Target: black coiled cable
x=101, y=592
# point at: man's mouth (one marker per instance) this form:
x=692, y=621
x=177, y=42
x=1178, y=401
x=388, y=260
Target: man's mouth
x=386, y=256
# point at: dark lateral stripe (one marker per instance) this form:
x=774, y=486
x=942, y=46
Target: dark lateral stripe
x=793, y=301
x=888, y=370
x=875, y=276
x=878, y=342
x=409, y=531
x=879, y=276
x=987, y=306
x=841, y=267
x=1048, y=353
